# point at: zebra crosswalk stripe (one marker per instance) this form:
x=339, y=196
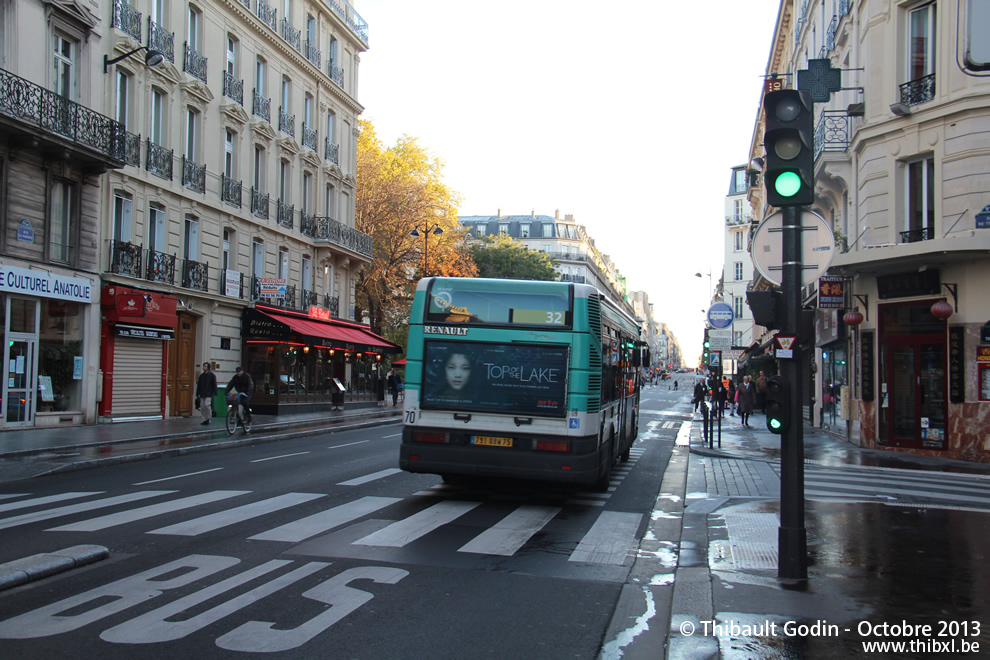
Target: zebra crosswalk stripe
x=213, y=521
x=403, y=532
x=304, y=528
x=114, y=519
x=609, y=539
x=70, y=509
x=370, y=477
x=40, y=501
x=512, y=532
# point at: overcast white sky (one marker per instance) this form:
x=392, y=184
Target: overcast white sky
x=626, y=114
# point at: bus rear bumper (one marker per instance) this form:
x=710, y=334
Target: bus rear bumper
x=458, y=457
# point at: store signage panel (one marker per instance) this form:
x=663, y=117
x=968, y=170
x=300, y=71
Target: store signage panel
x=144, y=333
x=957, y=364
x=45, y=284
x=906, y=285
x=866, y=355
x=831, y=292
x=262, y=326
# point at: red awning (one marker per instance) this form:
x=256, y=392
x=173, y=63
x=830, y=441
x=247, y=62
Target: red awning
x=399, y=363
x=363, y=340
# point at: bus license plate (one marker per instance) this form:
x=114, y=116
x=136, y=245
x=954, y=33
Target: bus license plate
x=491, y=441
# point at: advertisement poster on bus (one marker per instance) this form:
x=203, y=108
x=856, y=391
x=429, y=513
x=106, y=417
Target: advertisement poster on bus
x=513, y=379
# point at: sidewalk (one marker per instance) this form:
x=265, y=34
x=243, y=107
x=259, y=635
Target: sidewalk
x=32, y=452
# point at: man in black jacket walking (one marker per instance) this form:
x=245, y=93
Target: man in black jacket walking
x=206, y=388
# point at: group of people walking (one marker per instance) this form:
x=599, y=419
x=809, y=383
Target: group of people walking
x=726, y=395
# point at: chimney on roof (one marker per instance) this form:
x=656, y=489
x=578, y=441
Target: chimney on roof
x=556, y=214
x=569, y=218
x=499, y=213
x=532, y=214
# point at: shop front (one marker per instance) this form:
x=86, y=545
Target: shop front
x=135, y=335
x=833, y=383
x=43, y=317
x=301, y=363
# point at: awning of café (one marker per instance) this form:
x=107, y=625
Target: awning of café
x=333, y=335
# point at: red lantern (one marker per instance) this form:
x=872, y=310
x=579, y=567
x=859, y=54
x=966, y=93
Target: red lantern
x=941, y=309
x=852, y=318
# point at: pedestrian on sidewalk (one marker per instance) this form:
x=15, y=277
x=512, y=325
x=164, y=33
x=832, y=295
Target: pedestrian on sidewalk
x=699, y=393
x=393, y=385
x=761, y=393
x=732, y=398
x=206, y=389
x=746, y=393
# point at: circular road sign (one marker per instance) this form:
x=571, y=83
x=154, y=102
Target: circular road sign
x=720, y=315
x=817, y=247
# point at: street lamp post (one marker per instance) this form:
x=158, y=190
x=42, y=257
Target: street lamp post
x=436, y=230
x=709, y=284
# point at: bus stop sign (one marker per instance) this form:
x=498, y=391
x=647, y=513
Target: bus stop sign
x=720, y=315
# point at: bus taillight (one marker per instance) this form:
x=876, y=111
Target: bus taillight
x=422, y=436
x=552, y=445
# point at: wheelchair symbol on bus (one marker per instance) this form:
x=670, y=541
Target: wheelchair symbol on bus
x=574, y=423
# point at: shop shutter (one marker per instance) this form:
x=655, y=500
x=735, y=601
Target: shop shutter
x=137, y=382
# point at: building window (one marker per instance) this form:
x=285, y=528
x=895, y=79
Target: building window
x=283, y=263
x=737, y=211
x=739, y=271
x=481, y=229
x=122, y=211
x=547, y=230
x=283, y=180
x=191, y=250
x=122, y=110
x=524, y=230
x=157, y=127
x=738, y=241
x=192, y=134
x=307, y=274
x=156, y=228
x=62, y=224
x=737, y=307
x=195, y=28
x=228, y=154
x=503, y=229
x=740, y=181
x=329, y=201
x=921, y=42
x=286, y=94
x=258, y=258
x=737, y=338
x=227, y=239
x=920, y=201
x=65, y=75
x=307, y=187
x=259, y=76
x=259, y=168
x=231, y=55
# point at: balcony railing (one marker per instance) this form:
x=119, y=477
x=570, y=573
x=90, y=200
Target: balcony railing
x=833, y=132
x=579, y=279
x=131, y=149
x=233, y=88
x=343, y=9
x=308, y=299
x=833, y=26
x=289, y=301
x=313, y=54
x=332, y=152
x=285, y=214
x=336, y=74
x=261, y=107
x=291, y=34
x=267, y=14
x=125, y=258
x=307, y=224
x=286, y=122
x=918, y=91
x=160, y=40
x=333, y=304
x=43, y=108
x=159, y=160
x=230, y=191
x=328, y=229
x=259, y=204
x=195, y=276
x=309, y=138
x=193, y=63
x=917, y=235
x=193, y=175
x=127, y=19
x=161, y=267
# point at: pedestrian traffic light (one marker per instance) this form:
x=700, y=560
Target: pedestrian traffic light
x=767, y=307
x=778, y=405
x=789, y=172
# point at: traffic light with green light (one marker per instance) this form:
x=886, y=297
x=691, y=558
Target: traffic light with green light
x=789, y=171
x=778, y=408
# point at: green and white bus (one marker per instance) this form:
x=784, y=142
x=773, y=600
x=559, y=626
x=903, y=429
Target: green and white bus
x=519, y=379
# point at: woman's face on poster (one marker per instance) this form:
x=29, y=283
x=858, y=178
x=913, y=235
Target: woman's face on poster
x=458, y=371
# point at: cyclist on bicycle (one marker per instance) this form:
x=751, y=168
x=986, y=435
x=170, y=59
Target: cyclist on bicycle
x=244, y=384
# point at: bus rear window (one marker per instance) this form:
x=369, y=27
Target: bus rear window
x=480, y=301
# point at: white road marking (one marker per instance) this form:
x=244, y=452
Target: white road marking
x=349, y=444
x=609, y=539
x=38, y=501
x=394, y=435
x=403, y=532
x=381, y=474
x=323, y=521
x=27, y=518
x=178, y=476
x=239, y=514
x=114, y=519
x=512, y=532
x=272, y=458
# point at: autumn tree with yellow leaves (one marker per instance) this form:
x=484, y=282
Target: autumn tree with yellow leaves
x=399, y=189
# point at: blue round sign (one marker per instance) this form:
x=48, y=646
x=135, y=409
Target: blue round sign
x=720, y=315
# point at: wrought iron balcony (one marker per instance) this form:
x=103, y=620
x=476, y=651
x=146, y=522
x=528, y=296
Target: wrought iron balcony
x=834, y=132
x=259, y=204
x=309, y=138
x=332, y=152
x=255, y=288
x=289, y=302
x=844, y=6
x=313, y=54
x=307, y=224
x=354, y=21
x=159, y=160
x=195, y=276
x=918, y=91
x=41, y=108
x=833, y=26
x=246, y=3
x=267, y=14
x=285, y=214
x=127, y=19
x=193, y=175
x=333, y=304
x=160, y=40
x=233, y=88
x=336, y=74
x=161, y=267
x=917, y=235
x=291, y=34
x=130, y=148
x=193, y=63
x=286, y=122
x=230, y=191
x=125, y=258
x=261, y=107
x=308, y=299
x=328, y=229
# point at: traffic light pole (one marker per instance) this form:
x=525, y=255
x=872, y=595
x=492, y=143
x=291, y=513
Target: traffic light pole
x=792, y=539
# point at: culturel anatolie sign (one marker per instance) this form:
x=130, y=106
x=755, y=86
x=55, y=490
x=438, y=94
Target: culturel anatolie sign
x=45, y=284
